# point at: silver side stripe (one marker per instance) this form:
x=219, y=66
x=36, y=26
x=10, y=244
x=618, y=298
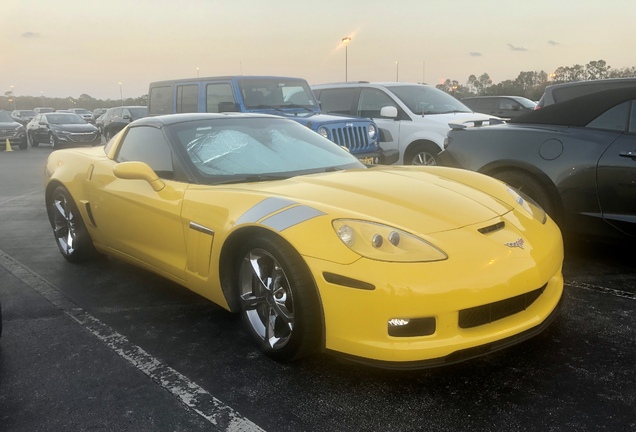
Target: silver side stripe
x=264, y=208
x=200, y=228
x=290, y=217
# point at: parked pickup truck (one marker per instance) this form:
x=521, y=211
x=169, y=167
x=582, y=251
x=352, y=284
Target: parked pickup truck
x=282, y=96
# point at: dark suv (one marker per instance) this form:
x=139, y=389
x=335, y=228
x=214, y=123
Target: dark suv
x=115, y=119
x=506, y=107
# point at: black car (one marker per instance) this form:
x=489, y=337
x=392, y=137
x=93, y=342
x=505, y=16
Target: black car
x=11, y=130
x=23, y=116
x=577, y=159
x=115, y=119
x=60, y=128
x=506, y=107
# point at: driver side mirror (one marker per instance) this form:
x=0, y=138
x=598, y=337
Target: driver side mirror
x=138, y=171
x=389, y=111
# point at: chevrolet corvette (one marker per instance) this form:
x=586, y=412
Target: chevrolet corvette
x=392, y=266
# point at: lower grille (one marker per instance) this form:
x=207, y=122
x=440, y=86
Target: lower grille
x=82, y=137
x=480, y=315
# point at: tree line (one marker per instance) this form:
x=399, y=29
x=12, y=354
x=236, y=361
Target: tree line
x=528, y=84
x=10, y=102
x=532, y=84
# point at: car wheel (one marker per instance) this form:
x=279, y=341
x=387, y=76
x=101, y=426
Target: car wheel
x=529, y=186
x=422, y=154
x=23, y=145
x=108, y=135
x=70, y=233
x=32, y=141
x=278, y=298
x=53, y=141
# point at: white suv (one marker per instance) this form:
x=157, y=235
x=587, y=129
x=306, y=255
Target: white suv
x=413, y=118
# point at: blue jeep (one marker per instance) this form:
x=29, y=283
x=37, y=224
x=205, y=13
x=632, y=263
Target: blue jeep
x=287, y=97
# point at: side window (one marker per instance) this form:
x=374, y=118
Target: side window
x=506, y=104
x=219, y=98
x=614, y=119
x=371, y=102
x=188, y=98
x=337, y=101
x=117, y=113
x=632, y=118
x=160, y=100
x=147, y=144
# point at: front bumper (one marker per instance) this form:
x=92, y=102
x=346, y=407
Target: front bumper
x=15, y=139
x=490, y=280
x=71, y=139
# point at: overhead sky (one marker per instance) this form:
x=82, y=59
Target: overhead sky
x=60, y=48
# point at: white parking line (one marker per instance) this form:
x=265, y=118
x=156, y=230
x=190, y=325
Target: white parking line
x=187, y=392
x=604, y=290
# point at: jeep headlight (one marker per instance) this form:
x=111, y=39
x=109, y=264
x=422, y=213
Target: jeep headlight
x=323, y=131
x=528, y=205
x=385, y=243
x=372, y=132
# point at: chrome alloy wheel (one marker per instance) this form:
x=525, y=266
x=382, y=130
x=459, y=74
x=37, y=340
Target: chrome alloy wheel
x=424, y=158
x=64, y=224
x=267, y=298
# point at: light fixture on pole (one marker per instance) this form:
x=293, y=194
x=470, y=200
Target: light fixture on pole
x=121, y=95
x=345, y=41
x=13, y=97
x=197, y=71
x=42, y=96
x=397, y=71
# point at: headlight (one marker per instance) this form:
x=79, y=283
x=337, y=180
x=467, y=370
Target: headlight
x=323, y=131
x=372, y=131
x=385, y=243
x=528, y=205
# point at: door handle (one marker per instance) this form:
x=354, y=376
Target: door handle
x=629, y=154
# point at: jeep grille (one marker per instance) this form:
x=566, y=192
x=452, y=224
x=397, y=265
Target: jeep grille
x=355, y=138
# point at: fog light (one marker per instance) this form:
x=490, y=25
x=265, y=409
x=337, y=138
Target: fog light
x=411, y=327
x=394, y=238
x=377, y=241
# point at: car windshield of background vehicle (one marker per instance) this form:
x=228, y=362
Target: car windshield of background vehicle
x=220, y=148
x=137, y=113
x=427, y=100
x=6, y=118
x=65, y=119
x=276, y=93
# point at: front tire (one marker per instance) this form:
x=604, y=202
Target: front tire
x=422, y=154
x=69, y=230
x=31, y=140
x=55, y=144
x=529, y=186
x=278, y=298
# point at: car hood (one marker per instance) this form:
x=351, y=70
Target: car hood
x=10, y=125
x=417, y=200
x=74, y=127
x=458, y=117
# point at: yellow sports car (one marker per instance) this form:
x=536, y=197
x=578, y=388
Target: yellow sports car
x=394, y=266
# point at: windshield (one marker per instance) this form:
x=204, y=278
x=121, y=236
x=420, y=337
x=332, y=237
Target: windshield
x=421, y=99
x=137, y=113
x=223, y=150
x=276, y=93
x=65, y=119
x=5, y=117
x=81, y=111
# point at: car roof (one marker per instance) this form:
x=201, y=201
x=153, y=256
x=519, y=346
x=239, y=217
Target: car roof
x=169, y=119
x=578, y=111
x=370, y=84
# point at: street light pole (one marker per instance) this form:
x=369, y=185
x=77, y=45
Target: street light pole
x=13, y=97
x=397, y=71
x=121, y=95
x=345, y=41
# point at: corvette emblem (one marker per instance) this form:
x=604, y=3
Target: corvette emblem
x=519, y=243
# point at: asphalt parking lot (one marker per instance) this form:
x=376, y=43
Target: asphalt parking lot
x=104, y=346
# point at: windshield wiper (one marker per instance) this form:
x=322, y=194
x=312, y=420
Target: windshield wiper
x=252, y=178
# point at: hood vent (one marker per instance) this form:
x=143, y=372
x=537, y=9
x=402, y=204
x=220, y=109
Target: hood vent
x=492, y=228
